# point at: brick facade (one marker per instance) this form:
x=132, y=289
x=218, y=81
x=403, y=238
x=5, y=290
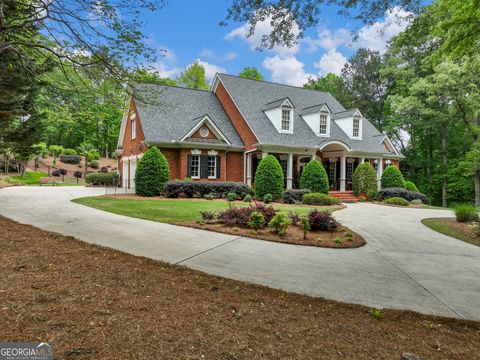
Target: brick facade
x=239, y=123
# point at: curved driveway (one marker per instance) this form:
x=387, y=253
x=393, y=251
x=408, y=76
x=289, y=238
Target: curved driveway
x=404, y=264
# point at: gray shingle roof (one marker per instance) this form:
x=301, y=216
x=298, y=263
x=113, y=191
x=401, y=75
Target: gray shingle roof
x=344, y=114
x=168, y=113
x=252, y=95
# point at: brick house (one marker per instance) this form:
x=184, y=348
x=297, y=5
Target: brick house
x=222, y=134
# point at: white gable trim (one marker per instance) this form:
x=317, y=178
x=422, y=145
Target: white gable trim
x=207, y=121
x=389, y=143
x=334, y=142
x=325, y=107
x=288, y=102
x=126, y=111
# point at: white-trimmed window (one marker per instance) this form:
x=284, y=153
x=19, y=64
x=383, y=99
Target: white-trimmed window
x=322, y=129
x=286, y=119
x=133, y=120
x=212, y=167
x=356, y=127
x=195, y=167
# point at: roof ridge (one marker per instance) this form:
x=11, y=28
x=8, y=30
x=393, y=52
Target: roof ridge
x=271, y=102
x=275, y=83
x=309, y=107
x=173, y=86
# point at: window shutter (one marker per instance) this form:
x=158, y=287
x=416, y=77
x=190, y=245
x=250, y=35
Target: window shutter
x=218, y=166
x=189, y=165
x=203, y=166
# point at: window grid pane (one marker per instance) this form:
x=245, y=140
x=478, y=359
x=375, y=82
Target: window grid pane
x=212, y=166
x=285, y=119
x=331, y=171
x=349, y=171
x=323, y=124
x=195, y=170
x=356, y=127
x=283, y=164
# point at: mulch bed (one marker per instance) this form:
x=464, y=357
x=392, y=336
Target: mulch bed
x=294, y=235
x=463, y=228
x=96, y=303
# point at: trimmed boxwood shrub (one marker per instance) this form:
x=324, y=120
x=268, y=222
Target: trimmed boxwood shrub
x=403, y=193
x=319, y=199
x=269, y=178
x=397, y=201
x=392, y=178
x=69, y=152
x=56, y=173
x=364, y=179
x=410, y=186
x=314, y=177
x=97, y=178
x=152, y=173
x=176, y=188
x=70, y=159
x=293, y=196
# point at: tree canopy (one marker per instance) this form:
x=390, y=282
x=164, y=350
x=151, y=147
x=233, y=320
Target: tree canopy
x=194, y=77
x=251, y=73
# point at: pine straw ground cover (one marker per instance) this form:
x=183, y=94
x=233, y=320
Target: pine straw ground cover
x=96, y=303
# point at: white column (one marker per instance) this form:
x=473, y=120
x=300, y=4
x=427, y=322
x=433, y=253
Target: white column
x=290, y=171
x=362, y=160
x=264, y=153
x=379, y=173
x=249, y=169
x=314, y=156
x=343, y=172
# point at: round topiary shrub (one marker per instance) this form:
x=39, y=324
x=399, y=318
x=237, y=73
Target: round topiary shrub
x=364, y=179
x=152, y=173
x=269, y=178
x=392, y=178
x=314, y=177
x=409, y=185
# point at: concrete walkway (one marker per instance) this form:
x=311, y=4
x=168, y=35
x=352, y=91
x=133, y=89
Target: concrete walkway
x=404, y=265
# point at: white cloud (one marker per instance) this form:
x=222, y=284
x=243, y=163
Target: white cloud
x=328, y=39
x=377, y=35
x=331, y=62
x=211, y=69
x=286, y=70
x=166, y=71
x=209, y=54
x=262, y=28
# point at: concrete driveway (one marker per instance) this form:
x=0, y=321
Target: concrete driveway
x=404, y=265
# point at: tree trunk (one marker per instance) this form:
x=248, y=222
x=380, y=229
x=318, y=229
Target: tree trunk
x=86, y=165
x=476, y=179
x=443, y=136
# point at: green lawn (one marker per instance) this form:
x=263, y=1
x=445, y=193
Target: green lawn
x=439, y=225
x=29, y=178
x=171, y=210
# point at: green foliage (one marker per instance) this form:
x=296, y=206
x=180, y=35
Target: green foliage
x=392, y=178
x=256, y=220
x=376, y=313
x=98, y=178
x=194, y=77
x=231, y=196
x=305, y=224
x=338, y=240
x=152, y=76
x=69, y=152
x=209, y=196
x=410, y=186
x=397, y=201
x=55, y=151
x=333, y=84
x=280, y=223
x=372, y=195
x=152, y=173
x=465, y=212
x=269, y=178
x=251, y=73
x=247, y=198
x=319, y=199
x=268, y=198
x=364, y=179
x=314, y=177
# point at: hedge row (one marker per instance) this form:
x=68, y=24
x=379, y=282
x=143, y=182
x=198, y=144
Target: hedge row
x=293, y=196
x=98, y=178
x=403, y=193
x=176, y=188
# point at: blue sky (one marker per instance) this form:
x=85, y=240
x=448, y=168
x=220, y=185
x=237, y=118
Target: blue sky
x=189, y=31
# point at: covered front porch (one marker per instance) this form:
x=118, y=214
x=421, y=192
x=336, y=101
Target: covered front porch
x=337, y=158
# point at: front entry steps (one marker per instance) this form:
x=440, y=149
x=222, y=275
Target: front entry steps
x=344, y=196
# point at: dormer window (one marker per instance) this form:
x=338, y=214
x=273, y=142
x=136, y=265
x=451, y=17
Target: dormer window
x=133, y=119
x=356, y=127
x=322, y=129
x=286, y=118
